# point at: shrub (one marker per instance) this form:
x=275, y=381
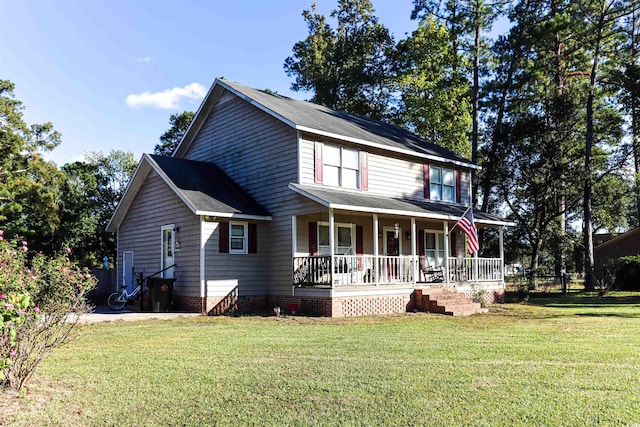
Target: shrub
x=628, y=273
x=40, y=301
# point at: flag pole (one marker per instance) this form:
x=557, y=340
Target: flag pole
x=461, y=216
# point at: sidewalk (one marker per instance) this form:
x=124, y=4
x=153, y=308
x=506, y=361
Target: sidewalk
x=105, y=314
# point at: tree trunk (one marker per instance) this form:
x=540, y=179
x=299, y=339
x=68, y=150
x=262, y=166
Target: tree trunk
x=476, y=90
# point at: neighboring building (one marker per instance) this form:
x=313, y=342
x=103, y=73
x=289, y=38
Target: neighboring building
x=265, y=193
x=627, y=244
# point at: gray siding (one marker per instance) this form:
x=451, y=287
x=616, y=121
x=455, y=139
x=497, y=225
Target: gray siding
x=154, y=206
x=223, y=272
x=260, y=153
x=388, y=176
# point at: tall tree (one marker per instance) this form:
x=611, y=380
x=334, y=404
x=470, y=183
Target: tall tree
x=93, y=189
x=347, y=67
x=433, y=99
x=601, y=38
x=29, y=185
x=179, y=123
x=468, y=21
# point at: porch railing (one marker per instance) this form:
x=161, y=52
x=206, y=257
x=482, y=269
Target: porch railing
x=475, y=269
x=361, y=270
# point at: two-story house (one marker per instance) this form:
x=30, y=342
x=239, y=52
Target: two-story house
x=270, y=201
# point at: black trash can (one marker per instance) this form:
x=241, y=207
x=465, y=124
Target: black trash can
x=161, y=294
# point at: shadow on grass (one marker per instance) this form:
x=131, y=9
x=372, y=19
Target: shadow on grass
x=624, y=305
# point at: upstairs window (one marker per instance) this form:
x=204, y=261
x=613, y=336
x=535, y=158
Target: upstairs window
x=442, y=184
x=340, y=167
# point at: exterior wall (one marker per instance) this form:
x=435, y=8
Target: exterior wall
x=366, y=221
x=347, y=306
x=260, y=153
x=154, y=206
x=235, y=274
x=627, y=244
x=388, y=176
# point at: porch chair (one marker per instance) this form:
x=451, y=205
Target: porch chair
x=432, y=274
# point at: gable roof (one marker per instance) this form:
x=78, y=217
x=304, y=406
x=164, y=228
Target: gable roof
x=359, y=201
x=317, y=119
x=203, y=187
x=635, y=233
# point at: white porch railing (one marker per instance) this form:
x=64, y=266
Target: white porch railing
x=364, y=270
x=475, y=269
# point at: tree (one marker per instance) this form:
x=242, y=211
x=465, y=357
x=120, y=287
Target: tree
x=29, y=185
x=172, y=137
x=433, y=98
x=346, y=68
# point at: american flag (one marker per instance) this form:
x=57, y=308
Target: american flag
x=469, y=228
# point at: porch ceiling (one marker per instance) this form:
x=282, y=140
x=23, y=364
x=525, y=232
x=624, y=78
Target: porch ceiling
x=362, y=202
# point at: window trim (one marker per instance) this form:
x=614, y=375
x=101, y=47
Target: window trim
x=341, y=167
x=442, y=185
x=244, y=237
x=437, y=249
x=336, y=225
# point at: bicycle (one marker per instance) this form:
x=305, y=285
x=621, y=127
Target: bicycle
x=118, y=300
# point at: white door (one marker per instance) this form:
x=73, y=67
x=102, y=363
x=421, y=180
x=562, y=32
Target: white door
x=127, y=271
x=168, y=250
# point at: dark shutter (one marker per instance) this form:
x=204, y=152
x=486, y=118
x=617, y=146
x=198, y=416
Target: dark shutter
x=223, y=237
x=313, y=238
x=458, y=187
x=454, y=250
x=364, y=170
x=253, y=239
x=421, y=242
x=427, y=190
x=319, y=163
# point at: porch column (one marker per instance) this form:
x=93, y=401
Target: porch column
x=332, y=250
x=500, y=233
x=475, y=266
x=375, y=248
x=294, y=234
x=446, y=252
x=414, y=259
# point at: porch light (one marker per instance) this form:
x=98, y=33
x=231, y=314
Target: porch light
x=396, y=226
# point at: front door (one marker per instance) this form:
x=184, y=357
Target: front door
x=168, y=249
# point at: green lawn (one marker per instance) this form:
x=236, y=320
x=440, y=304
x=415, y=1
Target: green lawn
x=550, y=362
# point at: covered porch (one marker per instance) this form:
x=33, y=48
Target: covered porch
x=372, y=241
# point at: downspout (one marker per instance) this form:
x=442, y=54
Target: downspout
x=203, y=283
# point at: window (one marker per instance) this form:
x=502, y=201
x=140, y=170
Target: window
x=343, y=239
x=442, y=184
x=434, y=248
x=340, y=167
x=238, y=237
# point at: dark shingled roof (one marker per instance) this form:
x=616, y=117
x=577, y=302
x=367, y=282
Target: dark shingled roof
x=363, y=201
x=207, y=188
x=318, y=117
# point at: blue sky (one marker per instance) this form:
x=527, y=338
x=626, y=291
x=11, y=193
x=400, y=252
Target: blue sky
x=108, y=74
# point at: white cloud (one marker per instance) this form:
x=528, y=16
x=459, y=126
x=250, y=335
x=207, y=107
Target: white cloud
x=144, y=59
x=168, y=99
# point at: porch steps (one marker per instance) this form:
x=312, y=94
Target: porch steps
x=449, y=302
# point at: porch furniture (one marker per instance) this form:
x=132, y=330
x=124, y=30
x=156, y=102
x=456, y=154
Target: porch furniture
x=433, y=274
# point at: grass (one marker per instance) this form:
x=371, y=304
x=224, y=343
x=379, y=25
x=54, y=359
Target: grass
x=554, y=361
